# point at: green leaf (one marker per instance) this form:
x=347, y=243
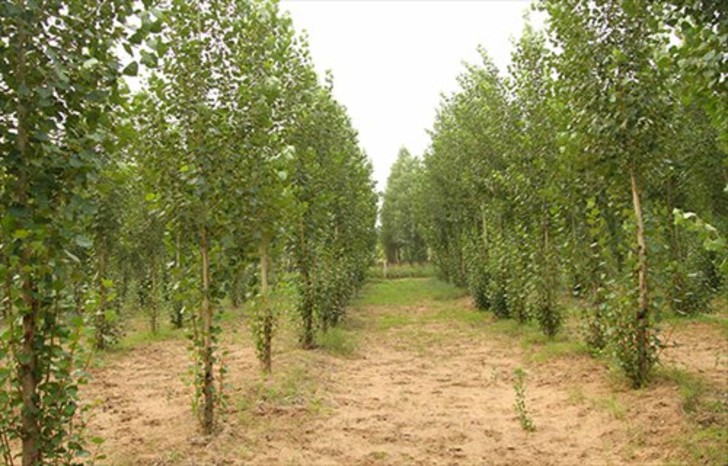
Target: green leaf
x=83, y=241
x=21, y=234
x=90, y=63
x=132, y=69
x=148, y=59
x=72, y=256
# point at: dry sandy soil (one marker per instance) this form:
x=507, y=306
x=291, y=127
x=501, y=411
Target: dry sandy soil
x=429, y=382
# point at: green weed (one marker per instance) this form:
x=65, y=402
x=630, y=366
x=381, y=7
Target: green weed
x=337, y=341
x=707, y=443
x=519, y=386
x=692, y=388
x=559, y=349
x=613, y=406
x=291, y=389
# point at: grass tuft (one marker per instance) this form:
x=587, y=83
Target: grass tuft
x=292, y=389
x=337, y=341
x=613, y=406
x=707, y=443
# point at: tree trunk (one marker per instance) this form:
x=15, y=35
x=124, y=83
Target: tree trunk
x=484, y=221
x=178, y=318
x=208, y=388
x=28, y=374
x=307, y=337
x=642, y=316
x=267, y=315
x=153, y=304
x=100, y=317
x=28, y=357
x=236, y=285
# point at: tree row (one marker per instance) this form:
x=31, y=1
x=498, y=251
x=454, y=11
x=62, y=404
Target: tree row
x=228, y=174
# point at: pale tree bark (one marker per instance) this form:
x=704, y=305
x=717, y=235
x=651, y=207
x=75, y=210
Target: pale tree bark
x=642, y=315
x=100, y=316
x=28, y=364
x=208, y=388
x=266, y=357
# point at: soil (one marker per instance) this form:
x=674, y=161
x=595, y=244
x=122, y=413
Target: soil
x=432, y=392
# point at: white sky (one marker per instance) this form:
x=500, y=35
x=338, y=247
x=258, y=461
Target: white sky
x=391, y=59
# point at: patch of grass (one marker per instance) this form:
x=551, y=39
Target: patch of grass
x=719, y=320
x=509, y=328
x=421, y=340
x=134, y=339
x=401, y=271
x=174, y=456
x=337, y=341
x=613, y=406
x=707, y=407
x=709, y=445
x=407, y=291
x=389, y=321
x=232, y=315
x=378, y=455
x=576, y=395
x=692, y=388
x=458, y=314
x=288, y=389
x=559, y=349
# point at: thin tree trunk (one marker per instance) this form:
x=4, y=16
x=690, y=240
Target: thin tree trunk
x=208, y=388
x=267, y=316
x=28, y=368
x=100, y=316
x=643, y=305
x=153, y=304
x=178, y=318
x=484, y=221
x=234, y=293
x=307, y=338
x=28, y=358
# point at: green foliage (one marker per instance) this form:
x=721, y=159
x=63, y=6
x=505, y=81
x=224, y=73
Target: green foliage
x=562, y=175
x=337, y=341
x=394, y=272
x=112, y=202
x=60, y=89
x=400, y=233
x=519, y=386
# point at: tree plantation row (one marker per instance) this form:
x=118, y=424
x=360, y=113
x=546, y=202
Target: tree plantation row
x=597, y=168
x=232, y=174
x=221, y=170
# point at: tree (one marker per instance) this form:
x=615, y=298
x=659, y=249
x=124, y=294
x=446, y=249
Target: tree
x=59, y=80
x=400, y=229
x=607, y=70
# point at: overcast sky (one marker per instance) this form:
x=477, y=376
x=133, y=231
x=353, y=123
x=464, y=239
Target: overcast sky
x=391, y=59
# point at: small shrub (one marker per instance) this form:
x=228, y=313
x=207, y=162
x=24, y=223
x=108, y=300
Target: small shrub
x=519, y=385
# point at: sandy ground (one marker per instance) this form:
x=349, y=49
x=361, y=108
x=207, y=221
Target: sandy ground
x=431, y=392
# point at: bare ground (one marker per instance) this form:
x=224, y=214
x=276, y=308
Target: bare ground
x=427, y=390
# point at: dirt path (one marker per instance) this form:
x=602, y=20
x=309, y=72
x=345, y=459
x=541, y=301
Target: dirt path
x=430, y=382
